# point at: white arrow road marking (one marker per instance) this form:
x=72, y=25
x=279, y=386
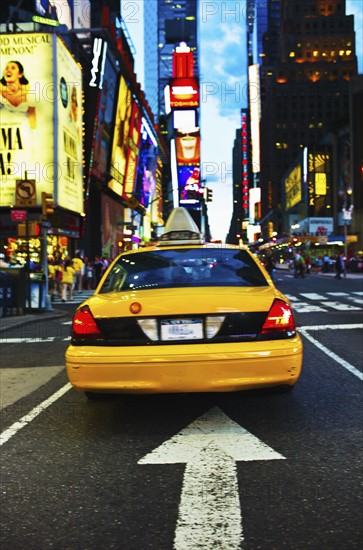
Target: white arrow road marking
x=209, y=511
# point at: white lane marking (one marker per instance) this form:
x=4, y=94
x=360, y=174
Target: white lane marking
x=337, y=293
x=348, y=326
x=360, y=293
x=331, y=354
x=312, y=296
x=6, y=340
x=342, y=307
x=67, y=323
x=26, y=419
x=355, y=300
x=303, y=307
x=209, y=502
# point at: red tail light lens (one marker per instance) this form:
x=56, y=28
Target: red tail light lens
x=84, y=326
x=280, y=319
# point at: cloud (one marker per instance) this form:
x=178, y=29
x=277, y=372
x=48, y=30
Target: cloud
x=355, y=7
x=223, y=65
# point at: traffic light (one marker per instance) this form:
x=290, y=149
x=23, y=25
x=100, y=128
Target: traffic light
x=209, y=195
x=47, y=204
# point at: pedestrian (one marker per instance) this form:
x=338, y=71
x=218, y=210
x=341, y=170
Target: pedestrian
x=67, y=280
x=78, y=265
x=308, y=265
x=270, y=266
x=299, y=264
x=340, y=266
x=326, y=264
x=98, y=269
x=89, y=281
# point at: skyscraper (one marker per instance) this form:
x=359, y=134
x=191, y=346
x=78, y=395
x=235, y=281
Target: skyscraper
x=166, y=24
x=304, y=87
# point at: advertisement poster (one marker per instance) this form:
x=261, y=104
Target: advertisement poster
x=184, y=92
x=146, y=170
x=189, y=186
x=104, y=124
x=27, y=96
x=188, y=147
x=133, y=150
x=69, y=107
x=120, y=138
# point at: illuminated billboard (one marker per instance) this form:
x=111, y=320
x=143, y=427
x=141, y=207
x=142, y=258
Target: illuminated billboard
x=184, y=120
x=104, y=122
x=189, y=186
x=184, y=92
x=293, y=187
x=319, y=170
x=133, y=142
x=120, y=137
x=69, y=116
x=188, y=147
x=146, y=169
x=38, y=75
x=255, y=114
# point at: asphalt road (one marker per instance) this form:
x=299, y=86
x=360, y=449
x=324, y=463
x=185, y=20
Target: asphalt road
x=79, y=475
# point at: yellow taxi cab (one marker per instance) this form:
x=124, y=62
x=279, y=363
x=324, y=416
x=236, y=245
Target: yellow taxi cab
x=184, y=316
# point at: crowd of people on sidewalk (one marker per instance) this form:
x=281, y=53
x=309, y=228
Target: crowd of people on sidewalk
x=302, y=265
x=74, y=275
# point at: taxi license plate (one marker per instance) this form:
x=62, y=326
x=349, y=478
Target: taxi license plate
x=182, y=329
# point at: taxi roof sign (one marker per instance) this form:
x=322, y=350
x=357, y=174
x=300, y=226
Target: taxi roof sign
x=181, y=229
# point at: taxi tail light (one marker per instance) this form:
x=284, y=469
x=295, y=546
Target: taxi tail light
x=280, y=319
x=84, y=327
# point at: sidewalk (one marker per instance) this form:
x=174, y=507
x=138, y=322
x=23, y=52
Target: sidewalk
x=14, y=321
x=285, y=267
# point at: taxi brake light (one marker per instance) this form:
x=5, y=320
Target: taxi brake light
x=279, y=319
x=84, y=326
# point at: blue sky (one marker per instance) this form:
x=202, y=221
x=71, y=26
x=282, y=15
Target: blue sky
x=223, y=80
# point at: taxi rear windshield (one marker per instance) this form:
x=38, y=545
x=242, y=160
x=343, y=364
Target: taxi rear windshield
x=183, y=268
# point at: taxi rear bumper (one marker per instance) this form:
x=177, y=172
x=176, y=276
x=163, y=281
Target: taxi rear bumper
x=185, y=368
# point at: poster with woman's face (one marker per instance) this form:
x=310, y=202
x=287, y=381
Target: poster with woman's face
x=27, y=96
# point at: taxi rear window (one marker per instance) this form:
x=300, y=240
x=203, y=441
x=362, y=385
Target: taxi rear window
x=184, y=267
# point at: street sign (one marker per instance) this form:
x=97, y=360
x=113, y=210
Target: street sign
x=45, y=224
x=210, y=447
x=25, y=193
x=18, y=215
x=45, y=21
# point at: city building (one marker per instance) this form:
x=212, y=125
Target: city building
x=82, y=166
x=304, y=95
x=166, y=24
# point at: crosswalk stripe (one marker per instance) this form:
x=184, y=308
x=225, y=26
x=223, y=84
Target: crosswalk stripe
x=312, y=296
